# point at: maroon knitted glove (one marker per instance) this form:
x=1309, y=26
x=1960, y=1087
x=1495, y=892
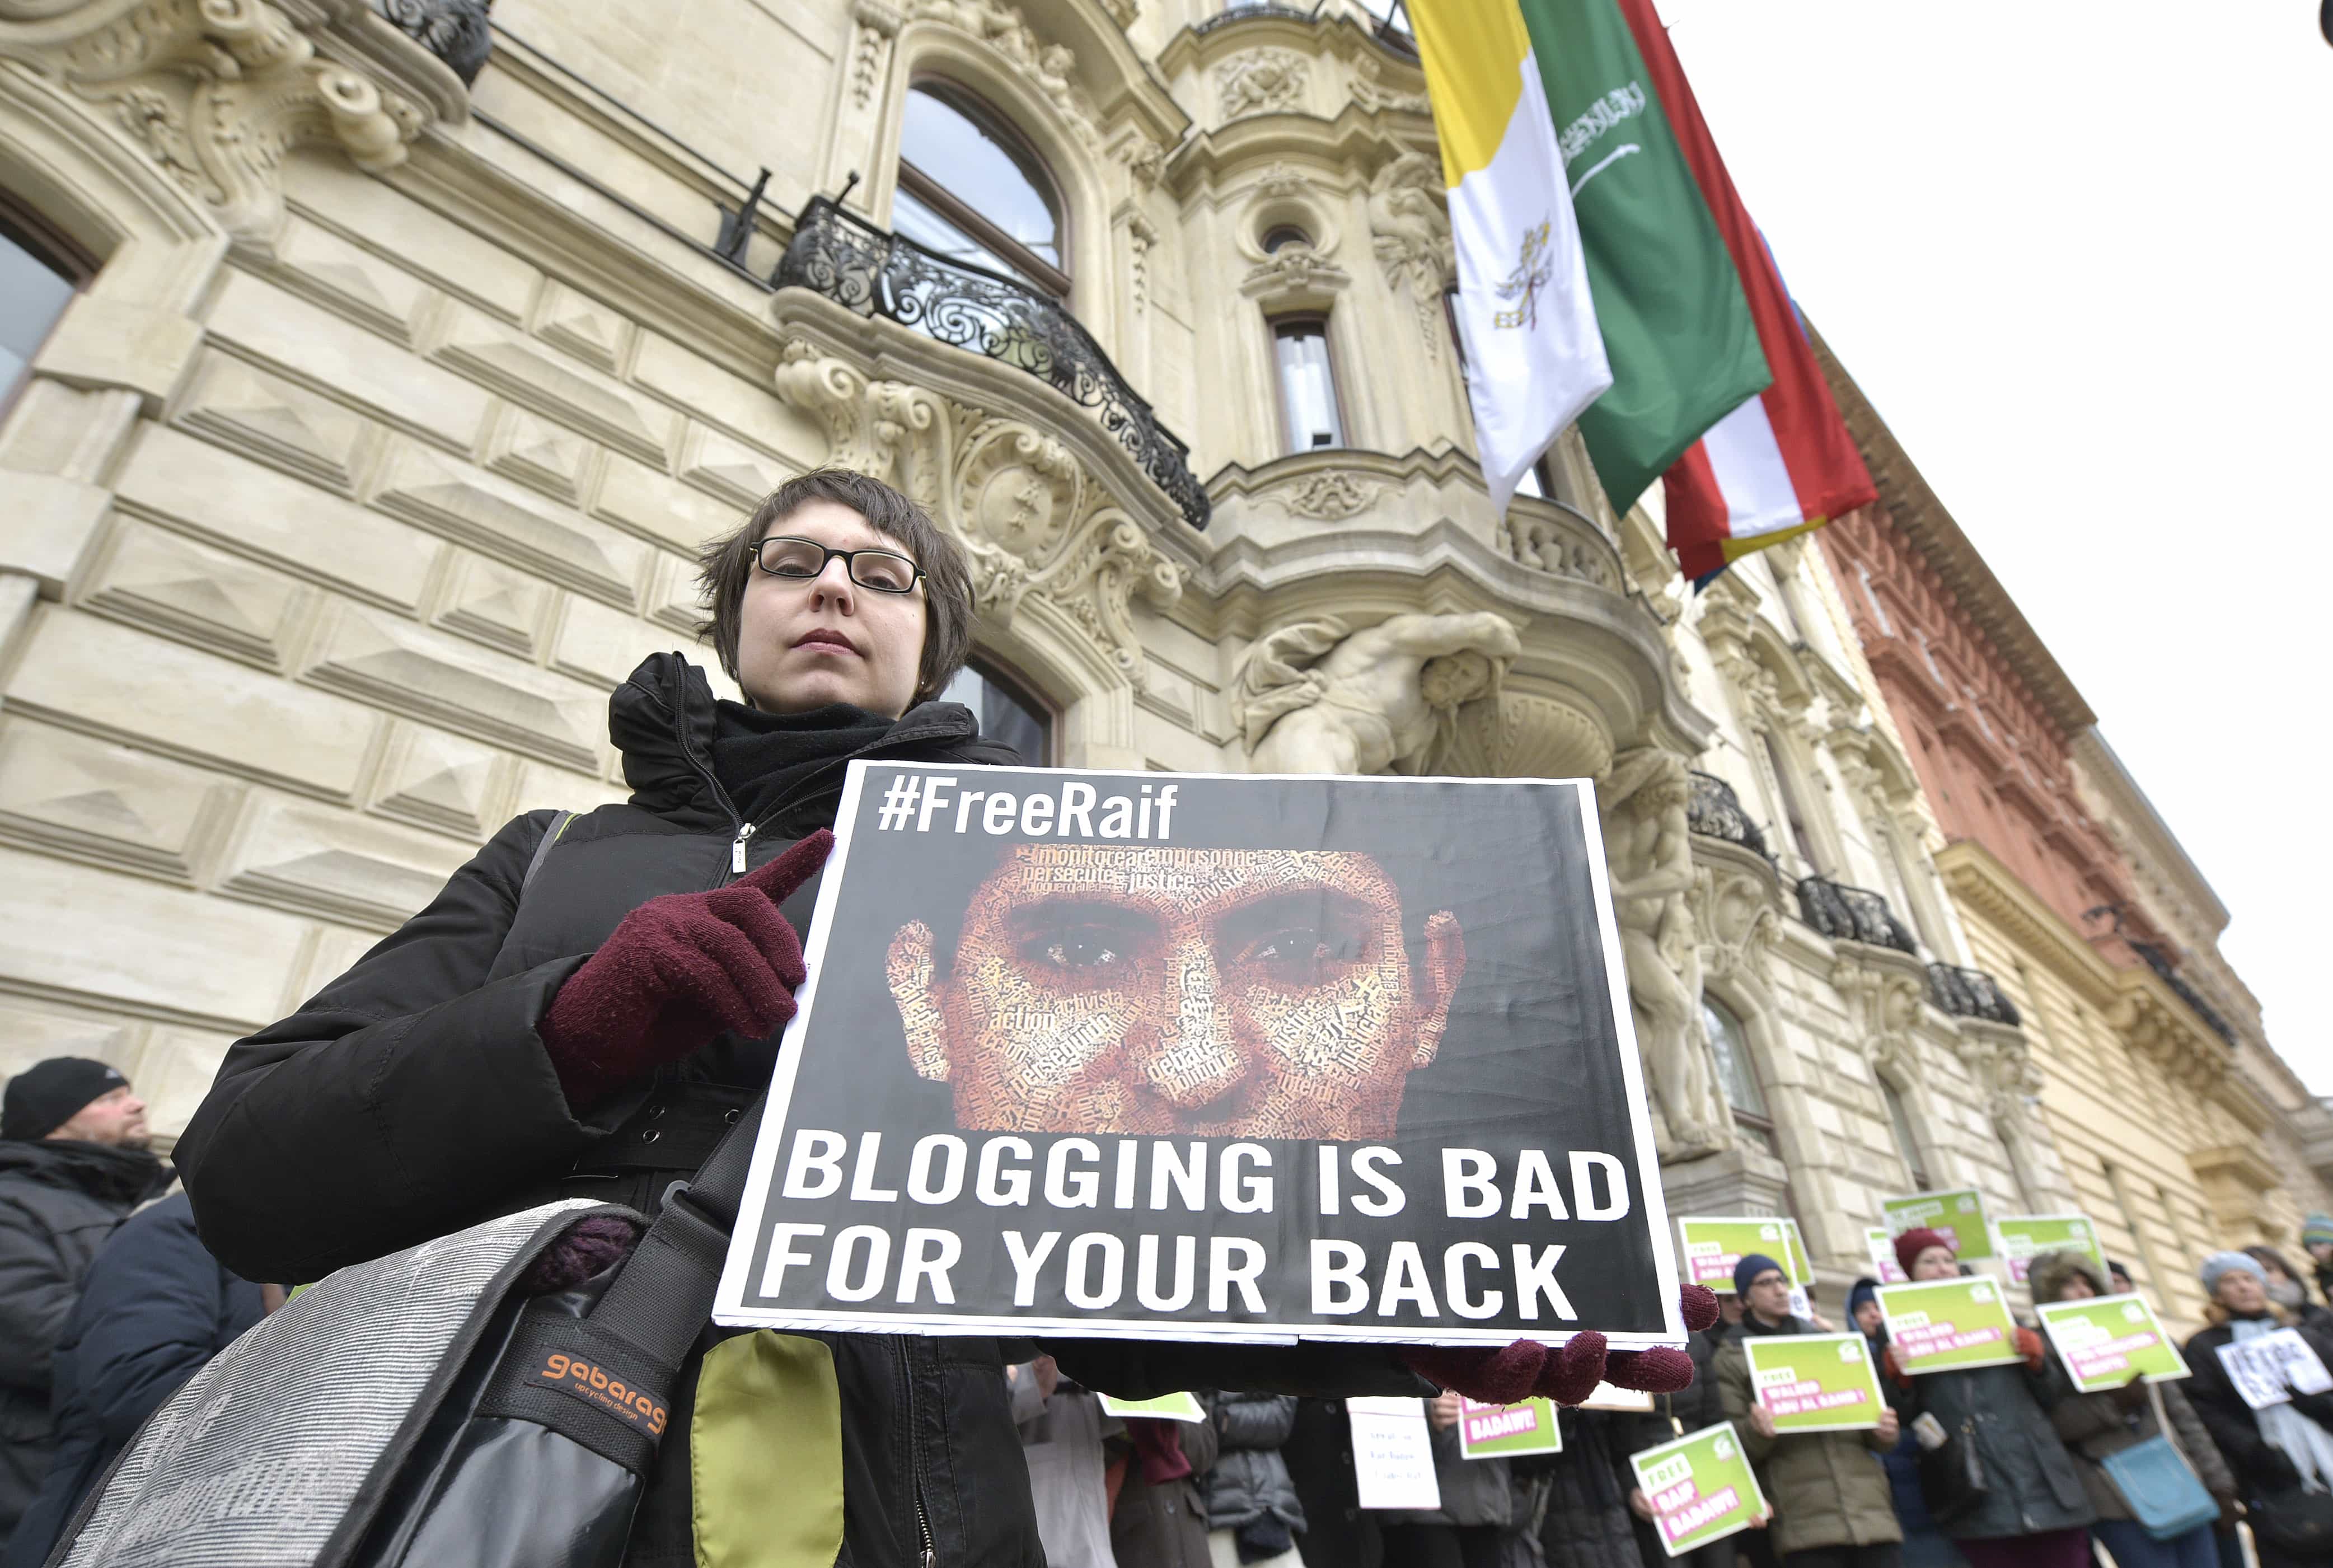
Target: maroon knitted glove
x=679, y=970
x=588, y=1246
x=1569, y=1374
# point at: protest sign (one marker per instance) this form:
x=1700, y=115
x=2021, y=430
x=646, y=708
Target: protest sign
x=1701, y=1487
x=2269, y=1368
x=1501, y=1431
x=1815, y=1383
x=2024, y=1236
x=1713, y=1246
x=2107, y=1340
x=1165, y=1407
x=1209, y=1058
x=1958, y=1216
x=1393, y=1454
x=1946, y=1325
x=1607, y=1398
x=1880, y=1243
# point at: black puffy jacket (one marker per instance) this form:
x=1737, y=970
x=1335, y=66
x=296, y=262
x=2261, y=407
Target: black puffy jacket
x=1250, y=1479
x=155, y=1306
x=412, y=1097
x=59, y=1200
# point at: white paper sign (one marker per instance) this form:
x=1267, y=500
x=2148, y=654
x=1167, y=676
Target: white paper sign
x=1393, y=1454
x=2270, y=1368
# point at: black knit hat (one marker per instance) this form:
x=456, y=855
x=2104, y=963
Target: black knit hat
x=46, y=1095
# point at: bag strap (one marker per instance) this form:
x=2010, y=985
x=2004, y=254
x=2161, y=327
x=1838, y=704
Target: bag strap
x=559, y=821
x=664, y=1296
x=2170, y=1434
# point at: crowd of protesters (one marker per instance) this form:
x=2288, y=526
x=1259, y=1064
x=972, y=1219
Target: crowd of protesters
x=467, y=1067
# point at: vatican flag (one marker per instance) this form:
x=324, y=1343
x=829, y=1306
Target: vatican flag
x=1534, y=357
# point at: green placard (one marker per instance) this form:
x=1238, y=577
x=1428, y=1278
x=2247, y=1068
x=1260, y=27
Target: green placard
x=1815, y=1383
x=2026, y=1235
x=1880, y=1243
x=1166, y=1407
x=1944, y=1326
x=1714, y=1244
x=1502, y=1431
x=1701, y=1487
x=2107, y=1340
x=1959, y=1215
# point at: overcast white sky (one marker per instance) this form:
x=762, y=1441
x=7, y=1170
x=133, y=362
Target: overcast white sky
x=2077, y=254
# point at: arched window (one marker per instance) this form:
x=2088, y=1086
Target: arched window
x=1796, y=819
x=1737, y=1075
x=39, y=274
x=972, y=191
x=1007, y=712
x=1311, y=415
x=1908, y=1143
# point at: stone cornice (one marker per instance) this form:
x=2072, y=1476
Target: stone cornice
x=1975, y=876
x=2120, y=793
x=1916, y=512
x=1355, y=138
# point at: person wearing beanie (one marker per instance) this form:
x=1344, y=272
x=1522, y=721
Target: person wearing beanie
x=2317, y=1241
x=2282, y=1451
x=2035, y=1512
x=2285, y=1288
x=73, y=1164
x=1831, y=1503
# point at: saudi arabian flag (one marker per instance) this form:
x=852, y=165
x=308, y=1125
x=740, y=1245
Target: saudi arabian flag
x=1682, y=344
x=1534, y=357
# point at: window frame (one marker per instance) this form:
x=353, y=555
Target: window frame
x=1273, y=330
x=62, y=253
x=1023, y=693
x=1760, y=1121
x=1047, y=277
x=1907, y=1137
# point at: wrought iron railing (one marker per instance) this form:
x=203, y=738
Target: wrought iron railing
x=1715, y=811
x=1856, y=914
x=1231, y=14
x=2160, y=962
x=856, y=264
x=455, y=31
x=1969, y=994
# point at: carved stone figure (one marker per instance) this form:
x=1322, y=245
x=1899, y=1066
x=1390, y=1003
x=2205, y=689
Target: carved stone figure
x=1260, y=81
x=1643, y=799
x=1316, y=698
x=1410, y=232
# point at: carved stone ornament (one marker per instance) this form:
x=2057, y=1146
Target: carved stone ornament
x=1260, y=81
x=1029, y=518
x=1563, y=546
x=1319, y=697
x=1294, y=269
x=1284, y=179
x=1370, y=91
x=216, y=91
x=1331, y=496
x=1049, y=68
x=1410, y=229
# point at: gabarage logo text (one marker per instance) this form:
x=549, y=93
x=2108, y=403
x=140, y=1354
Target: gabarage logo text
x=574, y=1375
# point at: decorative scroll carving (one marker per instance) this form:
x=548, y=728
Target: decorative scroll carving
x=1410, y=231
x=1260, y=81
x=217, y=91
x=1333, y=495
x=877, y=25
x=1370, y=91
x=1029, y=517
x=1294, y=269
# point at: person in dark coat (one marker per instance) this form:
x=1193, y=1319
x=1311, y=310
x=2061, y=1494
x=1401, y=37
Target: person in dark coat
x=1924, y=1545
x=1587, y=1523
x=1469, y=1529
x=73, y=1163
x=2036, y=1512
x=1160, y=1519
x=154, y=1309
x=2287, y=1290
x=2278, y=1450
x=1254, y=1514
x=2097, y=1426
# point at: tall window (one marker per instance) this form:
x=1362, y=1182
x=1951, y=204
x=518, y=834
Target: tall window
x=1005, y=711
x=1908, y=1144
x=38, y=276
x=972, y=191
x=1792, y=814
x=1737, y=1075
x=1310, y=418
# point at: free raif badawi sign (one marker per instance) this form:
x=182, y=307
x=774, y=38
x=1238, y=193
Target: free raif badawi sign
x=1180, y=1057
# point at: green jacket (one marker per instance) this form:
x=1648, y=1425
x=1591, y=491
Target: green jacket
x=1826, y=1489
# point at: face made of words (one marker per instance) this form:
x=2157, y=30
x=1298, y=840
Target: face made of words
x=1142, y=989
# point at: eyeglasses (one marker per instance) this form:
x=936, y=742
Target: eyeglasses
x=800, y=559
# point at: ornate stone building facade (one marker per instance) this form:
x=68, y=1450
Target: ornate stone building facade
x=378, y=407
x=2175, y=1126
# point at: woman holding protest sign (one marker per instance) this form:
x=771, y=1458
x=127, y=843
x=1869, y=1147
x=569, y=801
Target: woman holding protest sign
x=2282, y=1450
x=590, y=1003
x=2097, y=1425
x=2021, y=1504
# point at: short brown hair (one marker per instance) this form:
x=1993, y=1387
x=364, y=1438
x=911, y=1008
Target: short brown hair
x=725, y=563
